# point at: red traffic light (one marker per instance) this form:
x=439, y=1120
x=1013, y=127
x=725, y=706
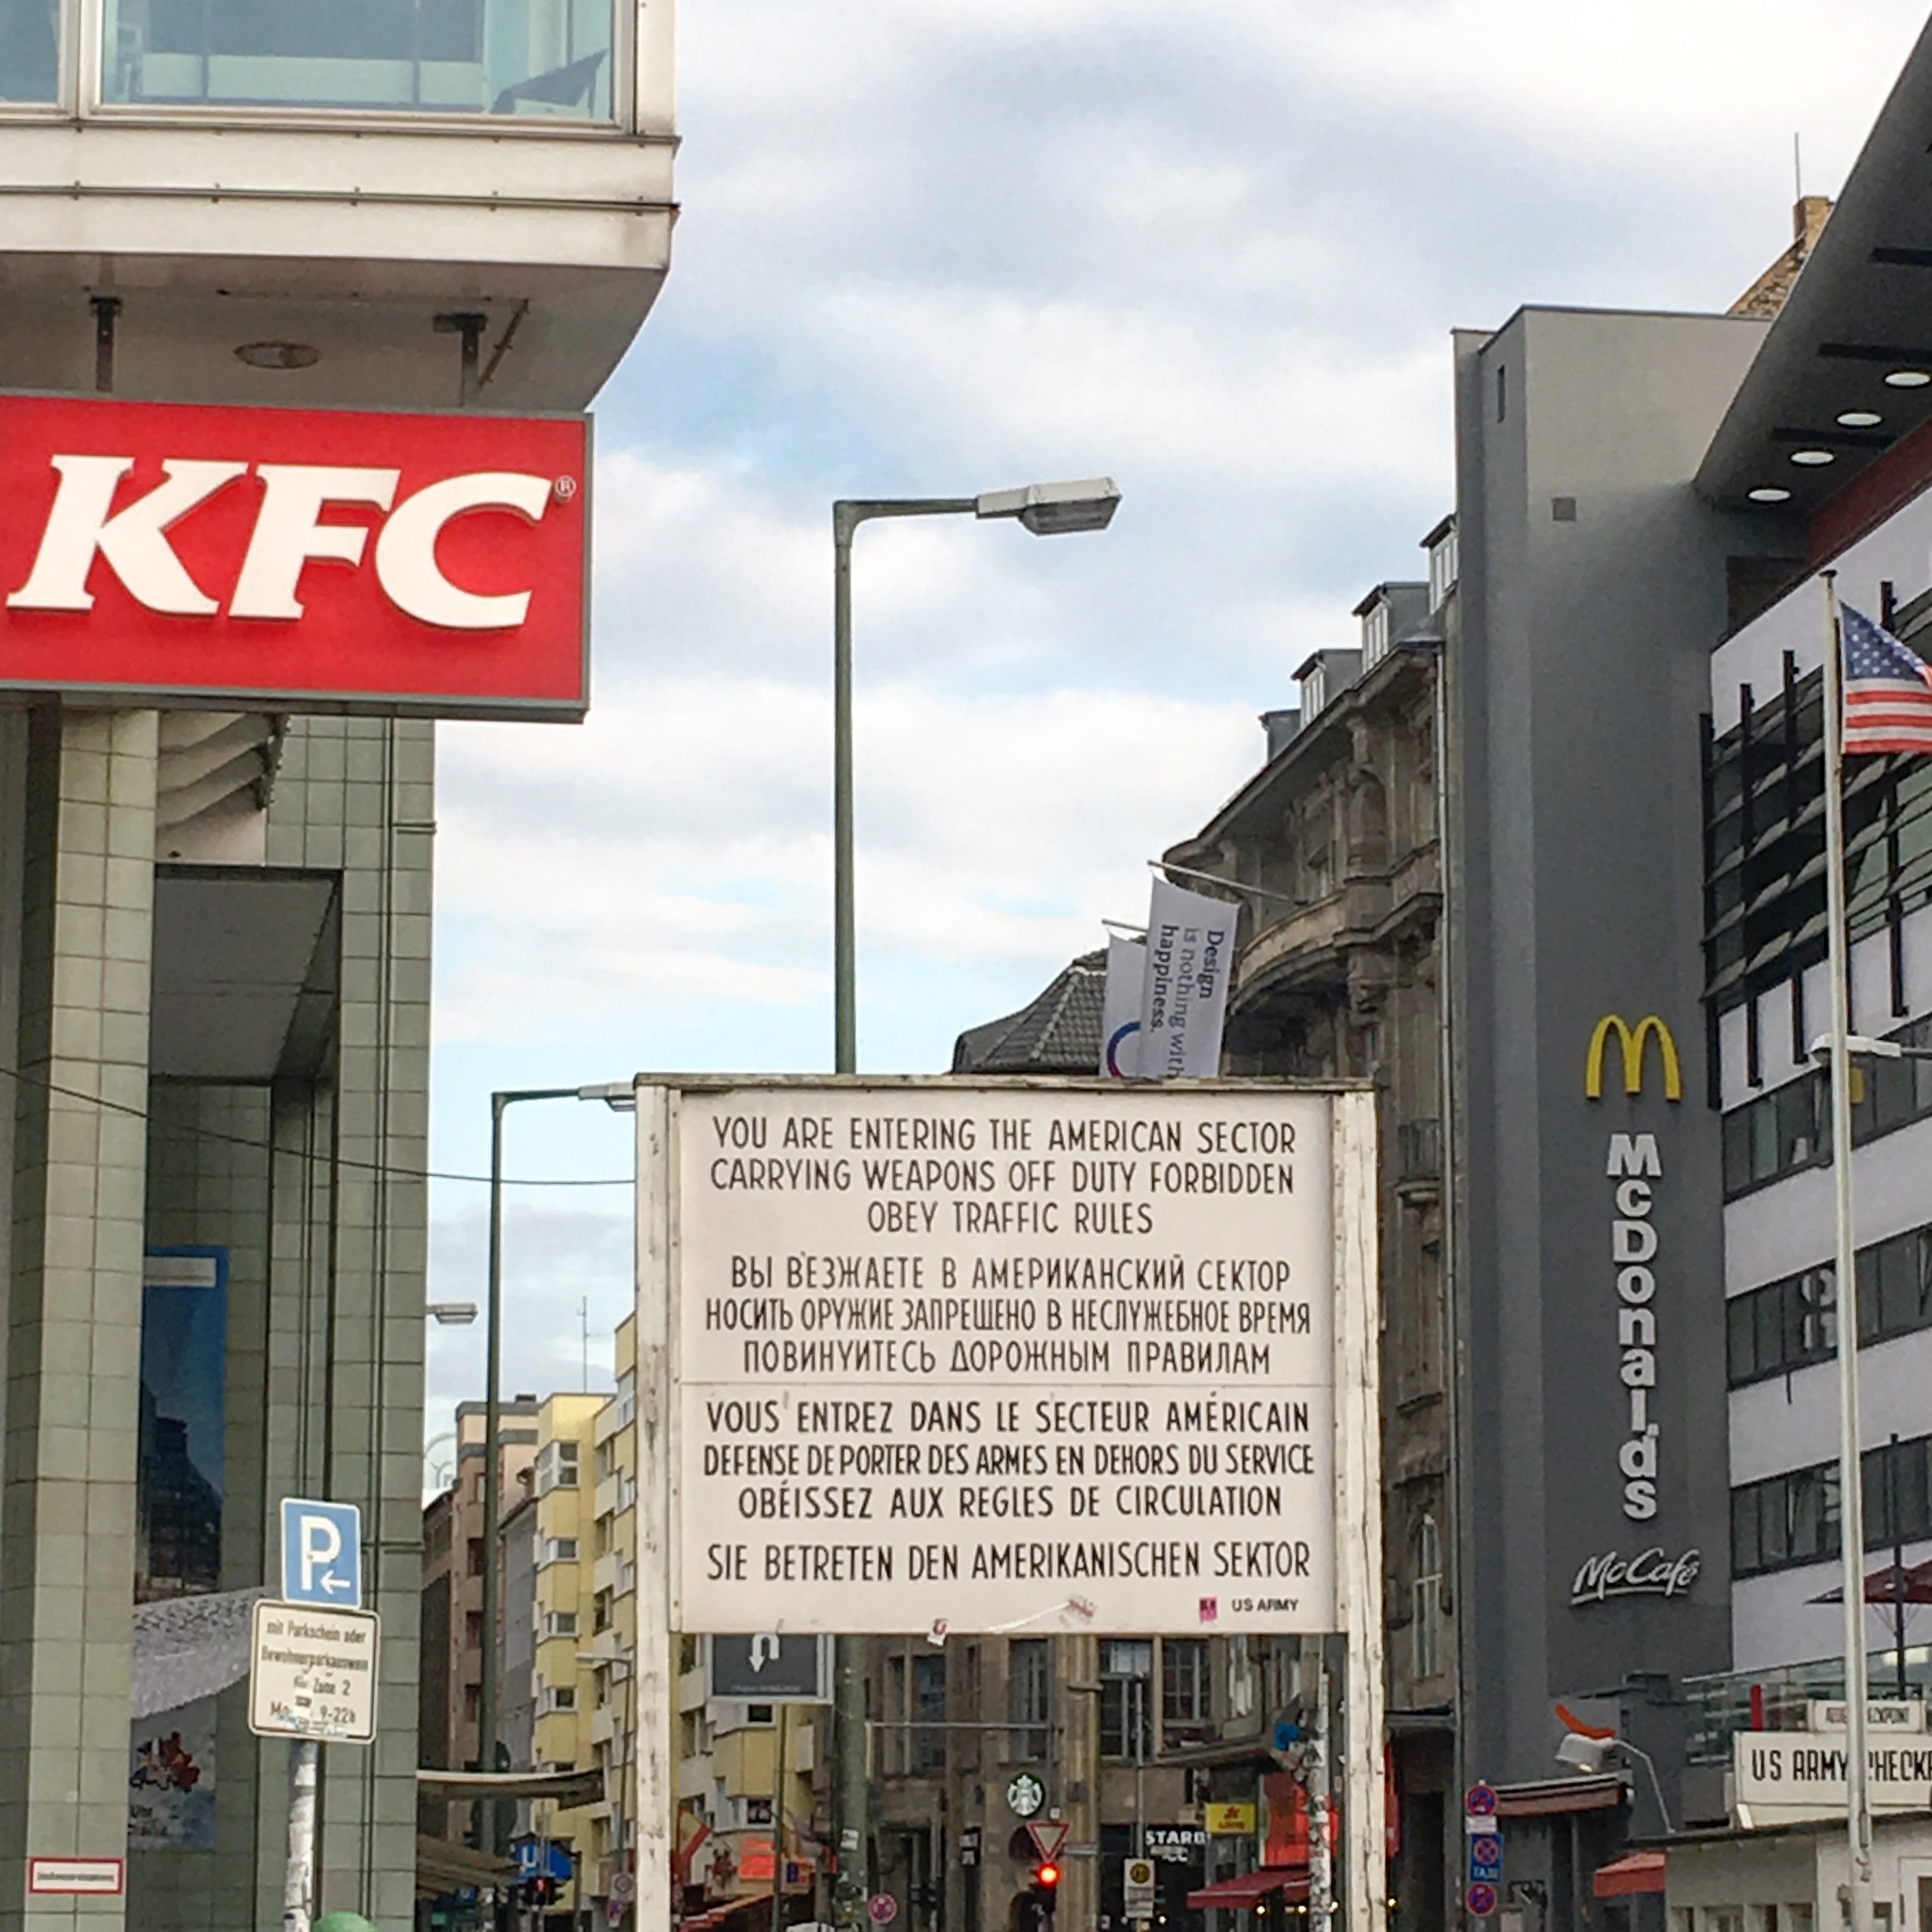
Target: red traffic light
x=1047, y=1875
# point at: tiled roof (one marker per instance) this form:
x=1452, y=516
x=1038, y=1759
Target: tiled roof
x=1057, y=1033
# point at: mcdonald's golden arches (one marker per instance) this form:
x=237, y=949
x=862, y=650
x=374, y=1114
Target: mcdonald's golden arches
x=1632, y=1040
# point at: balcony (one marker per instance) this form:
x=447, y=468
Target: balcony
x=328, y=180
x=1777, y=1699
x=604, y=1500
x=1418, y=1150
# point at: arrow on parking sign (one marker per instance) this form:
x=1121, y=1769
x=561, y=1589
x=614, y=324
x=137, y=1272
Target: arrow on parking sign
x=322, y=1553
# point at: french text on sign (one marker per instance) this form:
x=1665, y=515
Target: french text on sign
x=950, y=1353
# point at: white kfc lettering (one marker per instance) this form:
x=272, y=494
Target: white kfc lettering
x=288, y=535
x=406, y=562
x=133, y=541
x=289, y=531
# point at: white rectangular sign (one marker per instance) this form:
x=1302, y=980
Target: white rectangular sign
x=1890, y=1714
x=1781, y=1777
x=981, y=1356
x=312, y=1672
x=77, y=1878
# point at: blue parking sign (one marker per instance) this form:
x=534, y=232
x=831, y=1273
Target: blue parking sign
x=322, y=1553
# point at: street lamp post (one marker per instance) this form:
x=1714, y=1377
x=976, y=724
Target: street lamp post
x=1047, y=509
x=492, y=1382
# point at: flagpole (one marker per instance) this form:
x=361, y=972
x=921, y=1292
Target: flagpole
x=1851, y=1485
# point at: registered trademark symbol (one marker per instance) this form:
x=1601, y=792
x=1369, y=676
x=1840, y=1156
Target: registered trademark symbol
x=564, y=488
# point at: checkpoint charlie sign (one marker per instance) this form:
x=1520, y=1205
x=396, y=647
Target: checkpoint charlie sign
x=952, y=1356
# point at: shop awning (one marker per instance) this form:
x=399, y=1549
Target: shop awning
x=1641, y=1871
x=1552, y=1797
x=709, y=1921
x=1242, y=1894
x=442, y=1865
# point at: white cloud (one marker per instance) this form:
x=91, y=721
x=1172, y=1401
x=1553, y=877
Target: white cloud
x=938, y=246
x=681, y=841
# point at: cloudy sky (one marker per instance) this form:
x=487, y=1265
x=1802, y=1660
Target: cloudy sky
x=935, y=247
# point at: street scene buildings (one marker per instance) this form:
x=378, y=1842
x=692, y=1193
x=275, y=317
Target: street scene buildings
x=1589, y=855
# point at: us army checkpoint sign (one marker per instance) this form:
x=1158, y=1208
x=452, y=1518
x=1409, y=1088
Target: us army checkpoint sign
x=949, y=1355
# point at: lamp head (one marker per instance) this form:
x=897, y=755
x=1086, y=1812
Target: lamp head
x=451, y=1314
x=1056, y=509
x=1585, y=1755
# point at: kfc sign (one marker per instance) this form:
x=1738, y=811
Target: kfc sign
x=318, y=559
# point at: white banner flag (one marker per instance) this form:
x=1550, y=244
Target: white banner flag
x=1120, y=1009
x=1190, y=945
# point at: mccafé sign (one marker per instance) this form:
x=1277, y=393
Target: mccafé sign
x=325, y=559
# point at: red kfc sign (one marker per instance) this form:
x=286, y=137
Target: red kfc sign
x=321, y=559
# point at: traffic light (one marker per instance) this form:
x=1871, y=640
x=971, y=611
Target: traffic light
x=1046, y=1890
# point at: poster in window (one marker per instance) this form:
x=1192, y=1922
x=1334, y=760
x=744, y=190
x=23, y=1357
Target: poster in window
x=184, y=1390
x=171, y=1780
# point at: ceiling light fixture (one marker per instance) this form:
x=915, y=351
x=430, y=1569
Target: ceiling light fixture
x=1813, y=459
x=1860, y=419
x=279, y=355
x=1770, y=494
x=1908, y=378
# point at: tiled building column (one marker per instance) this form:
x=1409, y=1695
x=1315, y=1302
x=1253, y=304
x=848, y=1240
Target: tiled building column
x=68, y=1467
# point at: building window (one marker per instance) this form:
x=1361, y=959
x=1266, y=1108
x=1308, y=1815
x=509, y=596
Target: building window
x=29, y=52
x=476, y=1556
x=556, y=1697
x=1790, y=1127
x=1029, y=1697
x=1375, y=633
x=525, y=59
x=1443, y=563
x=1241, y=1677
x=1127, y=1705
x=557, y=1466
x=556, y=1549
x=559, y=1623
x=1185, y=1697
x=1789, y=1520
x=1764, y=841
x=1426, y=1600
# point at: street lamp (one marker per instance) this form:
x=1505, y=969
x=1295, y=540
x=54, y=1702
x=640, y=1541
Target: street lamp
x=1047, y=509
x=486, y=1713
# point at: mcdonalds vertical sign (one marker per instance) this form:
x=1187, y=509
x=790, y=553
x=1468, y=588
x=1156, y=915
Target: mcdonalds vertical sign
x=374, y=562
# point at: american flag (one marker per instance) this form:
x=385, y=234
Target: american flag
x=1888, y=690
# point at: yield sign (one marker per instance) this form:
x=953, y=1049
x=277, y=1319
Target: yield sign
x=1047, y=1841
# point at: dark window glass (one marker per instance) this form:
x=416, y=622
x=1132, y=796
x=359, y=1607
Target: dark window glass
x=1029, y=1693
x=1184, y=1699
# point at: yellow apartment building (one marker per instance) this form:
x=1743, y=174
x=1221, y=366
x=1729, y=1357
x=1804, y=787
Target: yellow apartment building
x=610, y=1654
x=562, y=1615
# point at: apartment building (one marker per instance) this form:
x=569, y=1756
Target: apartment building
x=451, y=1687
x=610, y=1654
x=1333, y=852
x=561, y=1525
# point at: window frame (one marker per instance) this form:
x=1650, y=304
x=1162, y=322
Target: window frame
x=83, y=93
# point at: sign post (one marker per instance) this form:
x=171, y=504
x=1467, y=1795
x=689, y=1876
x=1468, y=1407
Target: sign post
x=313, y=1670
x=954, y=1355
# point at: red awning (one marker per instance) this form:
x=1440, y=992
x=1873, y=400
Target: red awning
x=1548, y=1798
x=1641, y=1871
x=1242, y=1893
